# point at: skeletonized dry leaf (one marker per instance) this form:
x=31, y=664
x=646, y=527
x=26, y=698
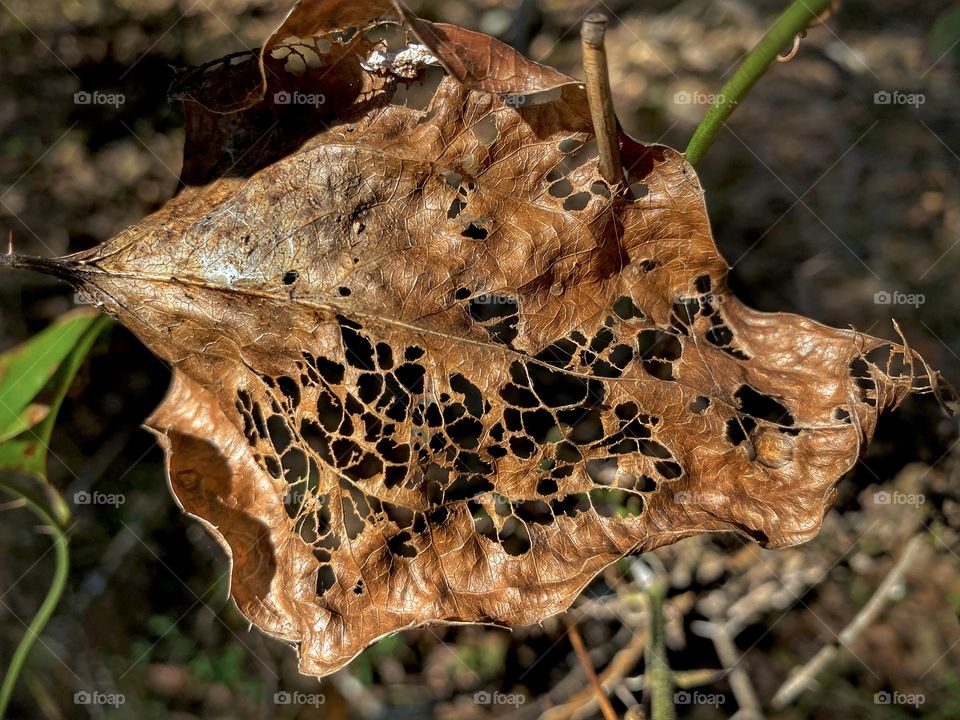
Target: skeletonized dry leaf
x=428, y=369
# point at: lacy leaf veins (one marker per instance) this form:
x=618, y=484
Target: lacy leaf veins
x=429, y=368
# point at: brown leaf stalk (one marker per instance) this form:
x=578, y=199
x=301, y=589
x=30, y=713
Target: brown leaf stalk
x=600, y=98
x=577, y=641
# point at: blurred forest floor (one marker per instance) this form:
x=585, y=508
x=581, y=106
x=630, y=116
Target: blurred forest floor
x=820, y=198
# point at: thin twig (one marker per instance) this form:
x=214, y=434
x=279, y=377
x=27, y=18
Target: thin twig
x=727, y=653
x=611, y=677
x=578, y=647
x=682, y=679
x=600, y=98
x=802, y=679
x=794, y=20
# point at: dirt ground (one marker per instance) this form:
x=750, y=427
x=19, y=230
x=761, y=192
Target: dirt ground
x=835, y=187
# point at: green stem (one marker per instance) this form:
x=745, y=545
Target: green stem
x=794, y=20
x=658, y=669
x=50, y=602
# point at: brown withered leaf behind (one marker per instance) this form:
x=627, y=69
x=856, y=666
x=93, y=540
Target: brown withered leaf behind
x=428, y=369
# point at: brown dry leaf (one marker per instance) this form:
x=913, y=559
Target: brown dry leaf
x=428, y=370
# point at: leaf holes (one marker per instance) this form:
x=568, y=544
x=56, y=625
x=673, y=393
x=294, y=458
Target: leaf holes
x=533, y=511
x=358, y=350
x=280, y=436
x=475, y=232
x=482, y=522
x=737, y=429
x=453, y=179
x=295, y=465
x=685, y=309
x=417, y=94
x=546, y=486
x=580, y=156
x=699, y=405
x=485, y=130
x=556, y=388
x=561, y=188
x=601, y=189
x=569, y=145
x=889, y=361
x=326, y=579
x=498, y=314
x=616, y=503
x=863, y=379
x=577, y=202
x=638, y=190
x=399, y=545
x=720, y=336
x=603, y=470
x=658, y=344
x=668, y=470
x=762, y=407
x=466, y=487
x=457, y=206
x=344, y=291
x=514, y=537
x=625, y=308
x=290, y=277
x=387, y=38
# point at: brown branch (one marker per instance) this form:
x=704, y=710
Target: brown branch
x=600, y=98
x=609, y=678
x=727, y=653
x=802, y=679
x=578, y=647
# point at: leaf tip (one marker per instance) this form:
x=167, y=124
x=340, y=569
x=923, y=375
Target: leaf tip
x=48, y=266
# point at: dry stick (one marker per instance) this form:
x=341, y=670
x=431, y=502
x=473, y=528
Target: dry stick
x=803, y=678
x=609, y=678
x=598, y=95
x=581, y=650
x=727, y=653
